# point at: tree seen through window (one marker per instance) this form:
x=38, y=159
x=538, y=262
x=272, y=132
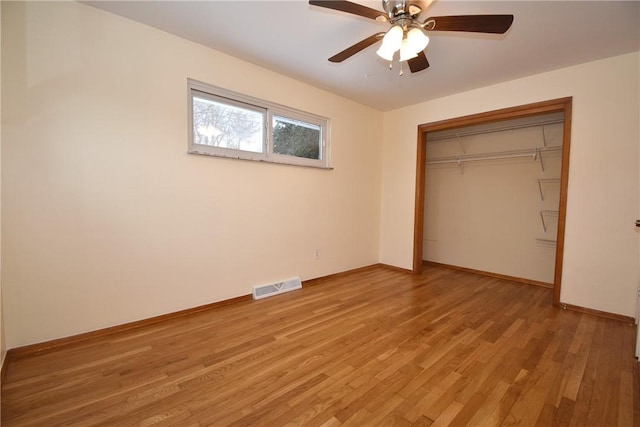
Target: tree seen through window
x=294, y=138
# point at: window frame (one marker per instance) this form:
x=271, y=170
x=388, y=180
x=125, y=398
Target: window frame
x=270, y=110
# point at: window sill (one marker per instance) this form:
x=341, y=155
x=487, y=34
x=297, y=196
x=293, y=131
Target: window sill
x=260, y=159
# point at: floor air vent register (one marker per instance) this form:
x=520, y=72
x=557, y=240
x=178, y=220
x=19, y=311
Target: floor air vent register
x=272, y=289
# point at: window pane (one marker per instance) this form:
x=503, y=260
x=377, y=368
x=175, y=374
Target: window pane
x=227, y=126
x=296, y=138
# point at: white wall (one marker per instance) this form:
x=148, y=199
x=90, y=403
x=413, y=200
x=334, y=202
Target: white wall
x=107, y=220
x=485, y=215
x=601, y=247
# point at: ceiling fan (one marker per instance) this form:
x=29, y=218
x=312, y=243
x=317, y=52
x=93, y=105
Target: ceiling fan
x=407, y=33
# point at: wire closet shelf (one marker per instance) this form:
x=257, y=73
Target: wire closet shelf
x=534, y=153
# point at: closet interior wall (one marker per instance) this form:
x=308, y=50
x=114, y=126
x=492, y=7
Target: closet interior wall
x=492, y=197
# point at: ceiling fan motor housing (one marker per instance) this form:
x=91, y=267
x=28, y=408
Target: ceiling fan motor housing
x=402, y=9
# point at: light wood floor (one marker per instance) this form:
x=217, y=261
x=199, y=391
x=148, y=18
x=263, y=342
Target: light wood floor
x=376, y=347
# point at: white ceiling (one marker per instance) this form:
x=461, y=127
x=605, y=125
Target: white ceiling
x=295, y=39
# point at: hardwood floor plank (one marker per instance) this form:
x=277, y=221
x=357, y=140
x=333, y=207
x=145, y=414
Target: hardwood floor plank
x=372, y=347
x=509, y=397
x=423, y=422
x=393, y=420
x=447, y=415
x=585, y=391
x=487, y=413
x=625, y=401
x=563, y=413
x=428, y=401
x=545, y=418
x=603, y=409
x=636, y=393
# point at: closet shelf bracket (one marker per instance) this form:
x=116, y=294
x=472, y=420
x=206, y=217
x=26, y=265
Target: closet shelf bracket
x=460, y=143
x=544, y=213
x=546, y=181
x=541, y=161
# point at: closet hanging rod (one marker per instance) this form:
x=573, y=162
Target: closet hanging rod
x=530, y=152
x=495, y=129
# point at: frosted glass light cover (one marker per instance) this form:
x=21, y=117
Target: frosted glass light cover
x=406, y=51
x=392, y=40
x=386, y=54
x=417, y=39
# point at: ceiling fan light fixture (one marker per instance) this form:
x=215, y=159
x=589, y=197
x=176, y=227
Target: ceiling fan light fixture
x=393, y=39
x=406, y=51
x=391, y=43
x=386, y=54
x=417, y=39
x=408, y=31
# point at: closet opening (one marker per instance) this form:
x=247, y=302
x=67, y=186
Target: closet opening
x=491, y=193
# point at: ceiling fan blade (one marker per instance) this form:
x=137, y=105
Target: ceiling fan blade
x=496, y=24
x=352, y=50
x=350, y=7
x=418, y=63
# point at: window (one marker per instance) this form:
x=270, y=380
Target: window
x=219, y=122
x=226, y=124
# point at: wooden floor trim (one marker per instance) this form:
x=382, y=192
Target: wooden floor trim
x=394, y=268
x=3, y=370
x=605, y=314
x=487, y=273
x=330, y=277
